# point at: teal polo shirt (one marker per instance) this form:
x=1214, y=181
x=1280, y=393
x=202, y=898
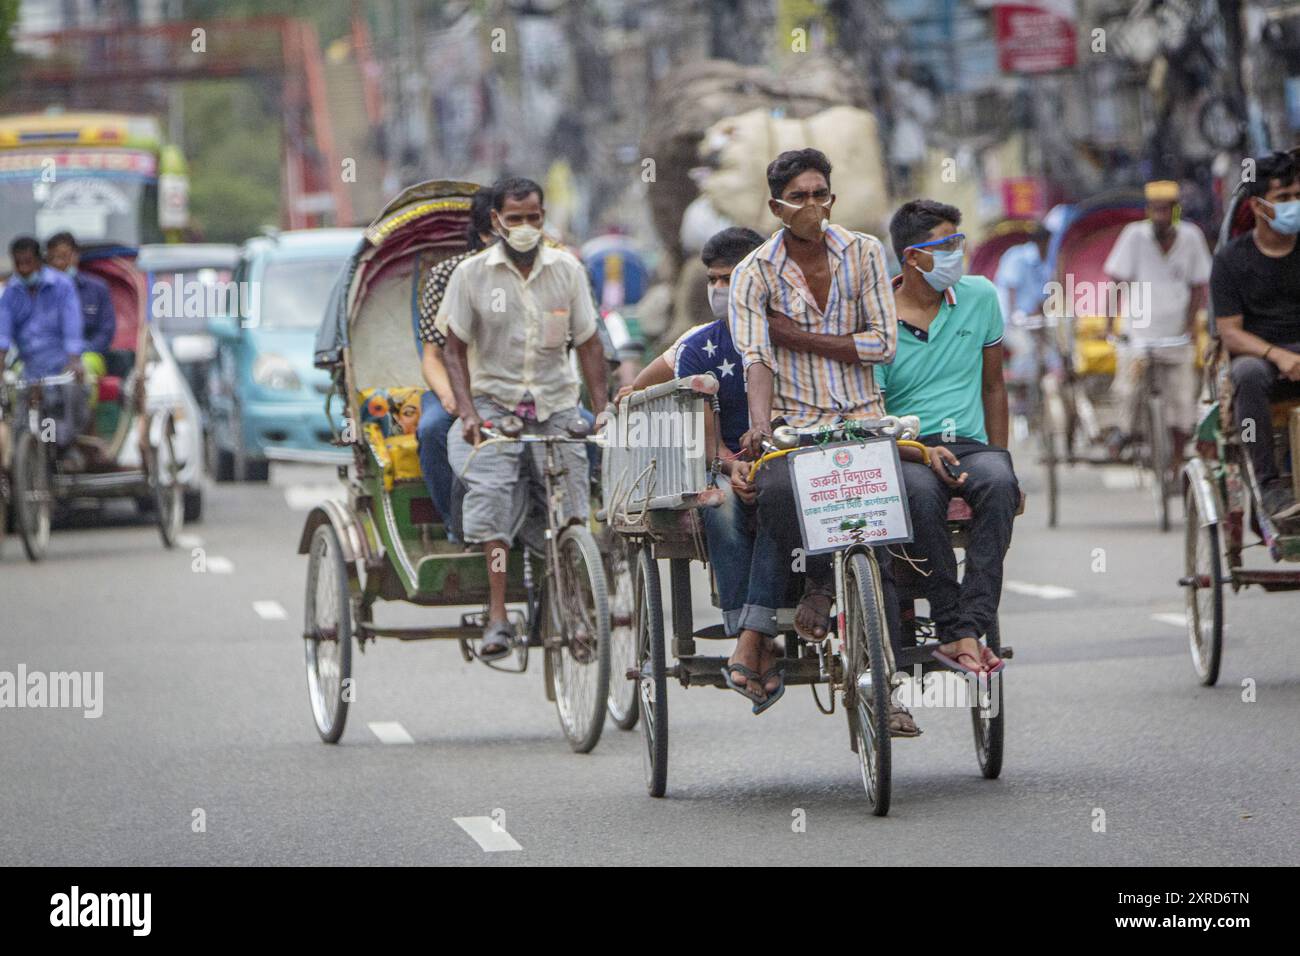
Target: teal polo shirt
x=938, y=373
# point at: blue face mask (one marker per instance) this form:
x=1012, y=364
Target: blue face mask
x=33, y=279
x=1286, y=217
x=948, y=268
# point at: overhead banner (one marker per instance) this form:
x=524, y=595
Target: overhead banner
x=1036, y=37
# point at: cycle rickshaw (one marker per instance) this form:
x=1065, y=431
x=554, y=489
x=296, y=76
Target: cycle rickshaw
x=1220, y=490
x=141, y=439
x=387, y=542
x=1074, y=403
x=652, y=493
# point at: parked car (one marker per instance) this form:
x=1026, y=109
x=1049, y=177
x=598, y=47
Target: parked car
x=266, y=399
x=184, y=280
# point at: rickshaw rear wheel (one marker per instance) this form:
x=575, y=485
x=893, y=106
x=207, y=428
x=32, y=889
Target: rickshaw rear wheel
x=327, y=634
x=620, y=571
x=168, y=492
x=652, y=686
x=1203, y=587
x=987, y=714
x=866, y=634
x=579, y=667
x=32, y=501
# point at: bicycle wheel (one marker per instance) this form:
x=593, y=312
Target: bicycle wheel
x=1203, y=591
x=579, y=662
x=866, y=636
x=1158, y=456
x=32, y=500
x=987, y=714
x=623, y=693
x=328, y=634
x=165, y=478
x=652, y=665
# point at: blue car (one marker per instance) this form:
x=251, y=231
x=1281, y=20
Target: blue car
x=266, y=399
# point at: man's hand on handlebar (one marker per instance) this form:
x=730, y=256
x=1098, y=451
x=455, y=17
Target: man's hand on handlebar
x=752, y=440
x=470, y=428
x=75, y=369
x=740, y=483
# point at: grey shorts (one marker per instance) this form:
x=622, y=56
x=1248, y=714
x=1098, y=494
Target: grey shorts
x=501, y=482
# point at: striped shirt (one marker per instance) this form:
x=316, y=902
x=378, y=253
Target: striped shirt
x=810, y=389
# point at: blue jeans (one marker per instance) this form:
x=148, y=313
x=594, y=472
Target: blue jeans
x=432, y=436
x=729, y=536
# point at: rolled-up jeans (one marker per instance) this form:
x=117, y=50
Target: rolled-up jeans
x=431, y=434
x=1253, y=379
x=729, y=536
x=968, y=608
x=778, y=545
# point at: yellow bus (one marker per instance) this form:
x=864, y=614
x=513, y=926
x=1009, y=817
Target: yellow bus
x=104, y=177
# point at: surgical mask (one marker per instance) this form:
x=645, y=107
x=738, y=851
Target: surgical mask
x=33, y=279
x=948, y=268
x=1286, y=217
x=522, y=238
x=718, y=297
x=809, y=221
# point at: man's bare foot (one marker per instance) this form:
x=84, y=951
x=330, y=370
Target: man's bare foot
x=748, y=654
x=768, y=659
x=967, y=653
x=812, y=616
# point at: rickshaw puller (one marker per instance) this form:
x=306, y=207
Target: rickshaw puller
x=40, y=315
x=947, y=370
x=518, y=305
x=1255, y=287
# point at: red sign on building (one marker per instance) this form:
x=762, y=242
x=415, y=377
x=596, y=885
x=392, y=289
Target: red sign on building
x=1035, y=37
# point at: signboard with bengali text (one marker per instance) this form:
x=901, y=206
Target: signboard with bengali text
x=858, y=484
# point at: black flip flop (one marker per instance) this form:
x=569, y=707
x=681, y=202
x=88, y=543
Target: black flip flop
x=743, y=689
x=775, y=695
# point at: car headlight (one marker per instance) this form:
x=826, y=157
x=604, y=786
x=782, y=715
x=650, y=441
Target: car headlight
x=274, y=372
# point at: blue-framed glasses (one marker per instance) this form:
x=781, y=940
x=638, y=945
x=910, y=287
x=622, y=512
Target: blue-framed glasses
x=954, y=243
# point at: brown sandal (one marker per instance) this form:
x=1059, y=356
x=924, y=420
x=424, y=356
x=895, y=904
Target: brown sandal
x=811, y=593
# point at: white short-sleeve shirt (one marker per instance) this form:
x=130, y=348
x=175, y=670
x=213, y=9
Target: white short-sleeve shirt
x=1164, y=280
x=517, y=329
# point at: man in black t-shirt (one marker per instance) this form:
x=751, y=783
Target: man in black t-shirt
x=1255, y=287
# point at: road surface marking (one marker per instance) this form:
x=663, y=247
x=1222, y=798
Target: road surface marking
x=1048, y=592
x=270, y=610
x=390, y=732
x=189, y=541
x=219, y=565
x=1177, y=620
x=1122, y=480
x=306, y=497
x=492, y=838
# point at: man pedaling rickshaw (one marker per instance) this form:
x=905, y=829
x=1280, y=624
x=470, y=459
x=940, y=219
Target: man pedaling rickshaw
x=1255, y=288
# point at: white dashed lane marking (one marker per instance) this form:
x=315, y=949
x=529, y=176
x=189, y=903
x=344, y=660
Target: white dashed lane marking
x=270, y=610
x=189, y=541
x=489, y=836
x=1177, y=620
x=1048, y=592
x=390, y=732
x=219, y=565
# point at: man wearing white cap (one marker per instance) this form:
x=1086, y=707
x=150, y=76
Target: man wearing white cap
x=1164, y=264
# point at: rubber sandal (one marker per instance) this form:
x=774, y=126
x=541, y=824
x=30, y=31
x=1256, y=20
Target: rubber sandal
x=743, y=689
x=500, y=634
x=954, y=663
x=897, y=726
x=774, y=695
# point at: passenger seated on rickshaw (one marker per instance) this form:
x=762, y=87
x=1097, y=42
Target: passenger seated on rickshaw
x=508, y=316
x=1255, y=288
x=707, y=348
x=947, y=370
x=40, y=316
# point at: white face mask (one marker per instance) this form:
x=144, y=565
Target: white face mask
x=718, y=296
x=521, y=238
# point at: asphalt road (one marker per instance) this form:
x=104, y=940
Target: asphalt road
x=205, y=721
